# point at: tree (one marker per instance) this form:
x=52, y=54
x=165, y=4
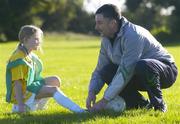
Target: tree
x=59, y=13
x=148, y=14
x=175, y=19
x=83, y=22
x=14, y=14
x=50, y=15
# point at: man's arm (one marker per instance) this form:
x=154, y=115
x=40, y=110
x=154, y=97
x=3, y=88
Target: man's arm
x=132, y=50
x=96, y=83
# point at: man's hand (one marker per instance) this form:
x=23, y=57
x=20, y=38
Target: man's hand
x=100, y=105
x=91, y=99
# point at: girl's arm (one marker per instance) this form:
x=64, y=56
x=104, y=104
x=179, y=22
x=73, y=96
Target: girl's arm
x=19, y=95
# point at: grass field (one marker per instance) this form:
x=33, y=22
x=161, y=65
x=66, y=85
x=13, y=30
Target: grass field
x=73, y=58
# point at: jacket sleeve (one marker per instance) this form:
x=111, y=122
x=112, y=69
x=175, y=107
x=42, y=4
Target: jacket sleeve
x=132, y=48
x=96, y=82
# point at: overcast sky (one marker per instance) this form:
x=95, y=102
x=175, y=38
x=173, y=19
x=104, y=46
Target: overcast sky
x=93, y=5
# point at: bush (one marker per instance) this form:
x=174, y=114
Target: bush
x=162, y=34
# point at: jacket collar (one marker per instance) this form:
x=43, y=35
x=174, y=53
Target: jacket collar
x=124, y=23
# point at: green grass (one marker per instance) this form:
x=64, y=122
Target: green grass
x=73, y=58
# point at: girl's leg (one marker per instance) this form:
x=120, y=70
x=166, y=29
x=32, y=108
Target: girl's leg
x=60, y=97
x=51, y=81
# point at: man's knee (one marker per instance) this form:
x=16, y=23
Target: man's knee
x=141, y=67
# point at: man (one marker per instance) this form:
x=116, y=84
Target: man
x=130, y=59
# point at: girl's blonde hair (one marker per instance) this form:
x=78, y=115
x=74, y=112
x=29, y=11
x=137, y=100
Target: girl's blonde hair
x=27, y=31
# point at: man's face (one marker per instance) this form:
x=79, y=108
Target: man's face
x=103, y=25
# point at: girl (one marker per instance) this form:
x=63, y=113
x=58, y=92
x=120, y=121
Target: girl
x=25, y=86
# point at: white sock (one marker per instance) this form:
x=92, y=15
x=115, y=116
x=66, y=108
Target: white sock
x=31, y=102
x=63, y=100
x=41, y=103
x=15, y=108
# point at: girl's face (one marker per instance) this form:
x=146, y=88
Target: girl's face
x=33, y=43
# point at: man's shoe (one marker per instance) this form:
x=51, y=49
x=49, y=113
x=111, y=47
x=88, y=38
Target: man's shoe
x=162, y=107
x=148, y=106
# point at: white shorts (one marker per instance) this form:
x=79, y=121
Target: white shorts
x=32, y=104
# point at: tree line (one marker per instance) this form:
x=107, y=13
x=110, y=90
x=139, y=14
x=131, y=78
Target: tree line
x=148, y=13
x=68, y=15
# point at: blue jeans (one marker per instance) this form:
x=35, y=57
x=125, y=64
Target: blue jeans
x=149, y=75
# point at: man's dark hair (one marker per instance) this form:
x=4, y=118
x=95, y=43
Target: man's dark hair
x=109, y=11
